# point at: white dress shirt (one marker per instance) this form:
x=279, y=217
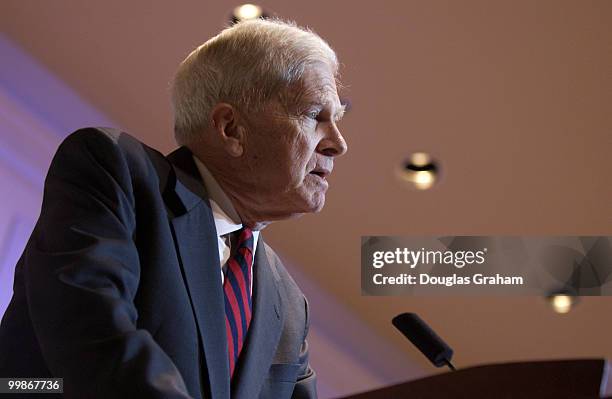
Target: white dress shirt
x=226, y=218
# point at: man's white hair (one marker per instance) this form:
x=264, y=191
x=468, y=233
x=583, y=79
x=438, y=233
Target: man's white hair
x=245, y=65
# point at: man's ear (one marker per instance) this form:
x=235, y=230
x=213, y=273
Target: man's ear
x=226, y=124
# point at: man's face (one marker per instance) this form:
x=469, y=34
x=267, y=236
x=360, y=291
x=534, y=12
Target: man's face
x=290, y=149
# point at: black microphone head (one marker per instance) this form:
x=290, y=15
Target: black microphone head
x=424, y=338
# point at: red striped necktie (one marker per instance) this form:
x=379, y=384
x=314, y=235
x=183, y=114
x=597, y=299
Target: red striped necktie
x=237, y=289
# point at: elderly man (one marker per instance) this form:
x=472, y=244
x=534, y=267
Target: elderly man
x=146, y=276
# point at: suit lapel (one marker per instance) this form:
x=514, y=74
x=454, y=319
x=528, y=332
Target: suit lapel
x=196, y=242
x=264, y=331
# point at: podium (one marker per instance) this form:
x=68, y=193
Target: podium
x=575, y=379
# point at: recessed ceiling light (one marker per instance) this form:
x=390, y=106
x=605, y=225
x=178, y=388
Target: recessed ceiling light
x=246, y=12
x=562, y=303
x=420, y=170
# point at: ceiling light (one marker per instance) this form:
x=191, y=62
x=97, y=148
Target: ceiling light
x=246, y=12
x=420, y=170
x=562, y=303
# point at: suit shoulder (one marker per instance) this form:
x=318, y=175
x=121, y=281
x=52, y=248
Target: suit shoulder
x=88, y=154
x=110, y=145
x=100, y=138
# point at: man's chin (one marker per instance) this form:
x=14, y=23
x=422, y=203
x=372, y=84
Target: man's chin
x=313, y=204
x=311, y=207
x=317, y=204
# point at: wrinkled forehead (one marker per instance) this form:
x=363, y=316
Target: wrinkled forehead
x=317, y=85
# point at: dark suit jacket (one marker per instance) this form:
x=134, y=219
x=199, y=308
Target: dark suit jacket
x=119, y=291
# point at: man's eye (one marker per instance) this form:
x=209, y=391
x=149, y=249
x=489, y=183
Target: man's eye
x=313, y=114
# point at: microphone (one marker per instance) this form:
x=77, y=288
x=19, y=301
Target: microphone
x=424, y=338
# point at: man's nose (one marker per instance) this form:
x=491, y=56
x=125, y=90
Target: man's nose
x=333, y=144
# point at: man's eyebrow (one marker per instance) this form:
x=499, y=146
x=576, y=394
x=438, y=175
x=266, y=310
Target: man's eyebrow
x=340, y=113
